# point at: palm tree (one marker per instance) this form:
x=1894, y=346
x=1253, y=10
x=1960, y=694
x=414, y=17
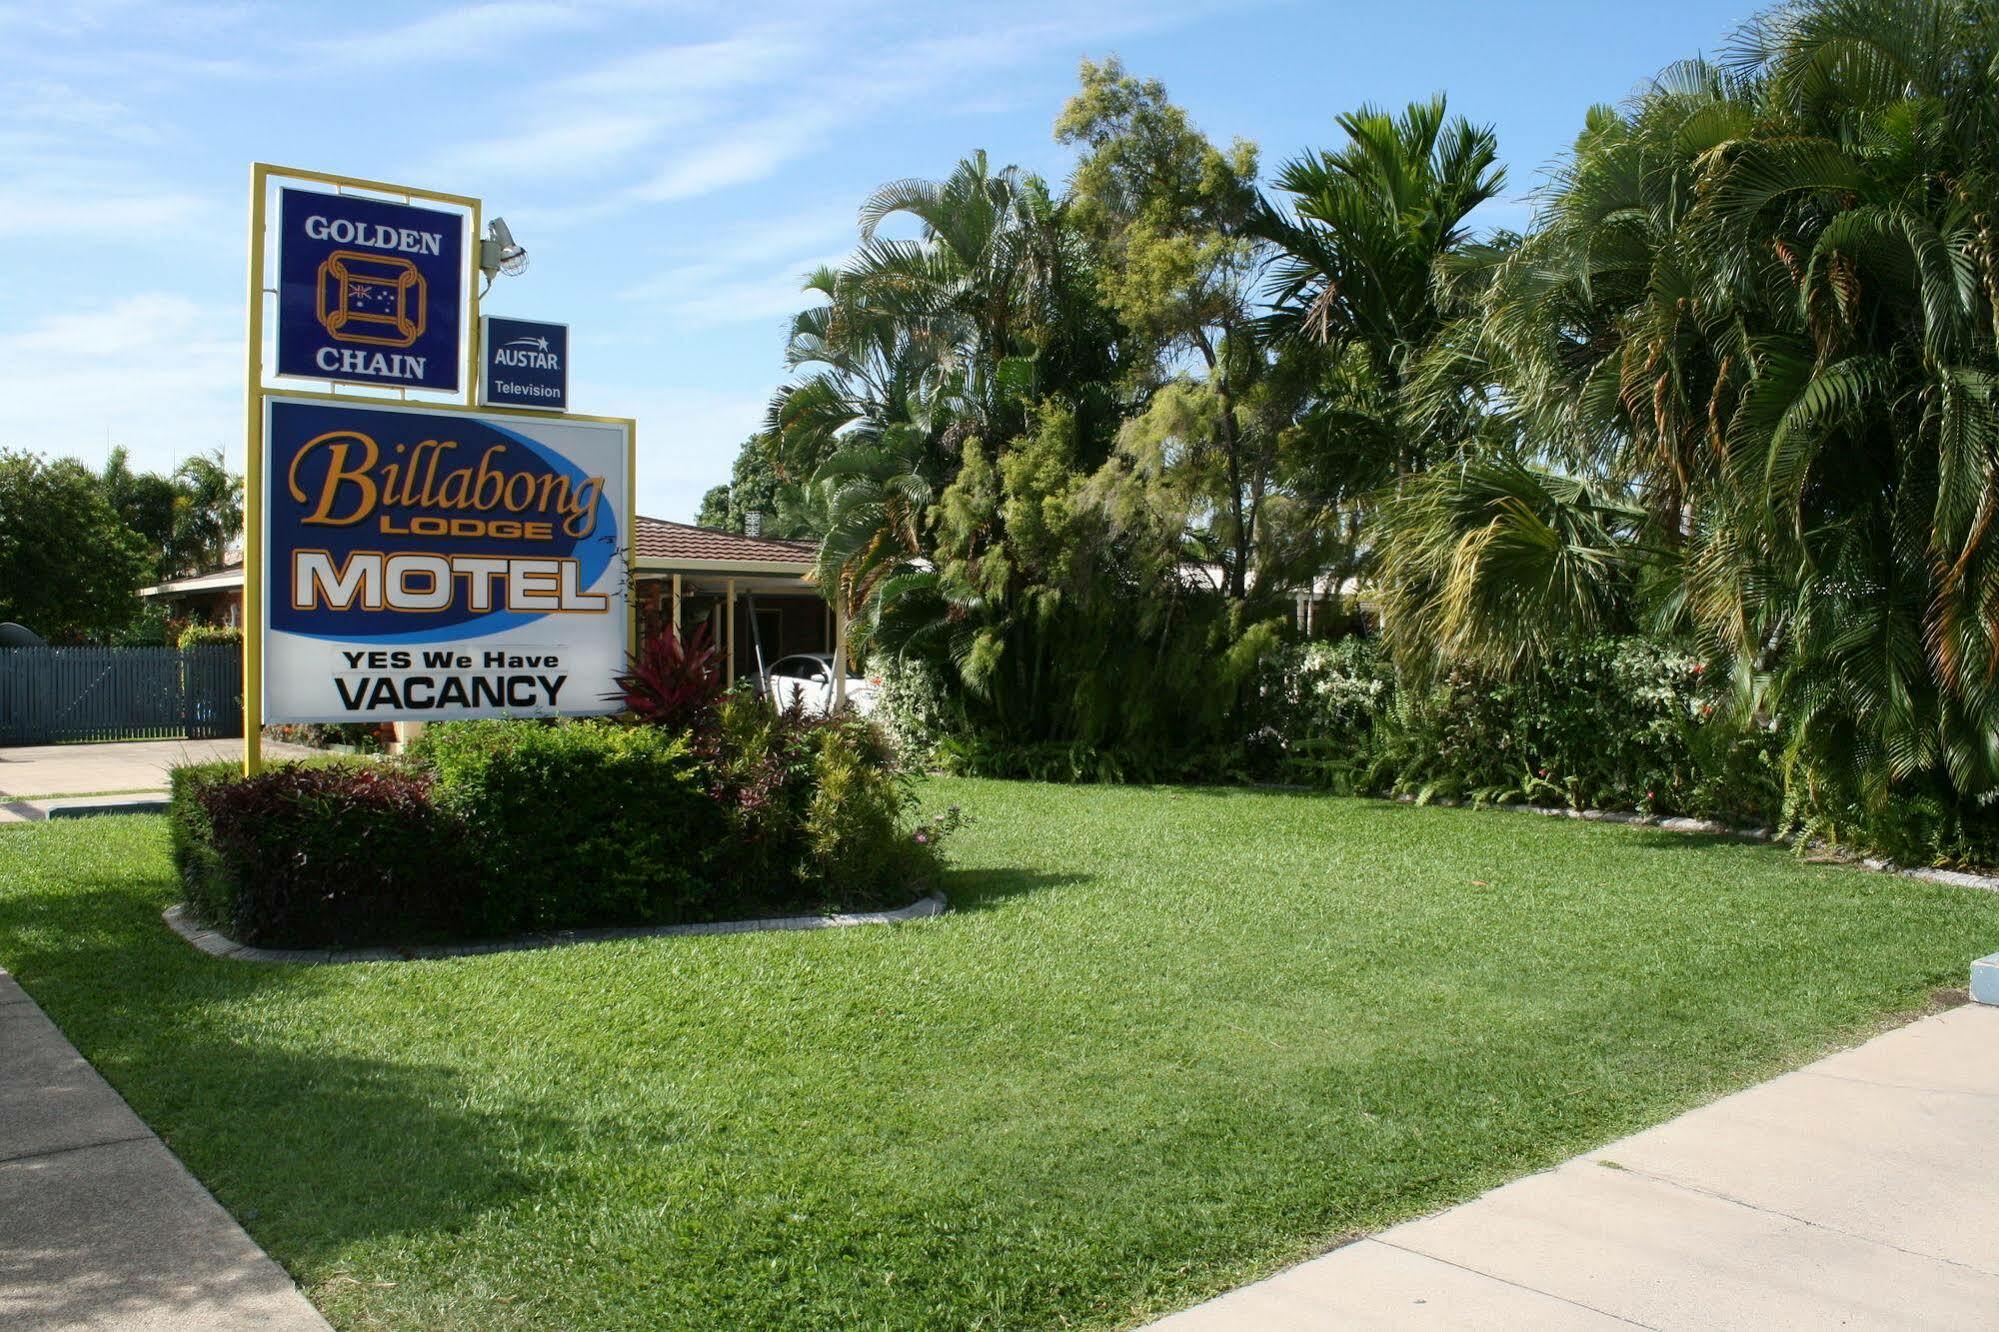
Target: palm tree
x=1758, y=308
x=1359, y=251
x=871, y=499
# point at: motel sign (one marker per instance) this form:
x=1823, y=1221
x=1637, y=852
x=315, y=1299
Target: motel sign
x=418, y=560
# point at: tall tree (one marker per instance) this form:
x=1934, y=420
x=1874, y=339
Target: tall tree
x=1173, y=216
x=70, y=567
x=208, y=512
x=1374, y=250
x=148, y=504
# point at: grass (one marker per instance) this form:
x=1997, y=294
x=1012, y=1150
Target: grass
x=1167, y=1041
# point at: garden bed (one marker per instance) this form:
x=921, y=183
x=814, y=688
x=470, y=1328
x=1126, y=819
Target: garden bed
x=497, y=830
x=182, y=922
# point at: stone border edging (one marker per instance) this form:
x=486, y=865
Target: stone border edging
x=1954, y=878
x=181, y=922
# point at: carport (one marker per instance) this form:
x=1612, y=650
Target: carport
x=756, y=594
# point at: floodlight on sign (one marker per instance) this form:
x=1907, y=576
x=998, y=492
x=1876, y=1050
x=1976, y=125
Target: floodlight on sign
x=500, y=254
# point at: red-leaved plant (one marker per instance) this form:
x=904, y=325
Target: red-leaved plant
x=672, y=680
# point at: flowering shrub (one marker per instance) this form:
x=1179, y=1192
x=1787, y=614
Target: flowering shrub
x=913, y=709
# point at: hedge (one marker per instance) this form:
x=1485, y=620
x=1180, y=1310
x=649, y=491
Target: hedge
x=493, y=828
x=589, y=823
x=1611, y=724
x=311, y=855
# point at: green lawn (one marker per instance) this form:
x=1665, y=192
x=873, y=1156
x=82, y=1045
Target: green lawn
x=1166, y=1041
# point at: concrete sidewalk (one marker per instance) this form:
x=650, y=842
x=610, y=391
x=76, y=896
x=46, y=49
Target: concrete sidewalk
x=1861, y=1191
x=100, y=1226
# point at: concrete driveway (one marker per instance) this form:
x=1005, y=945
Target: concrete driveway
x=35, y=772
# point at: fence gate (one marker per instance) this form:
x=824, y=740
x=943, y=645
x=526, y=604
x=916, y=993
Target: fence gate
x=51, y=695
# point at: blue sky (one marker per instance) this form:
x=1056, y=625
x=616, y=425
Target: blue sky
x=672, y=169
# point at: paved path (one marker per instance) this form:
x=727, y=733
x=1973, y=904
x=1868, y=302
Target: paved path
x=100, y=1226
x=129, y=765
x=31, y=771
x=1861, y=1191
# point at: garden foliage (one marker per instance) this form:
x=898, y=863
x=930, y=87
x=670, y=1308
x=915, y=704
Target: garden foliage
x=586, y=823
x=674, y=679
x=1736, y=385
x=1605, y=724
x=495, y=827
x=210, y=635
x=306, y=855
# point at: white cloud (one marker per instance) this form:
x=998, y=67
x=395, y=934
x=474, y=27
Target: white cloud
x=738, y=156
x=53, y=113
x=716, y=114
x=42, y=206
x=808, y=230
x=564, y=148
x=595, y=120
x=696, y=300
x=155, y=372
x=752, y=275
x=748, y=57
x=456, y=34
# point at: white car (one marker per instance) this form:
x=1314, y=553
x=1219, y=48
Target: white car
x=807, y=679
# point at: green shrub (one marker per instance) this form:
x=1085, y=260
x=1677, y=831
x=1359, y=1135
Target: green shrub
x=860, y=847
x=205, y=635
x=150, y=626
x=914, y=708
x=1921, y=823
x=204, y=877
x=578, y=823
x=1321, y=707
x=312, y=855
x=503, y=826
x=761, y=776
x=1612, y=724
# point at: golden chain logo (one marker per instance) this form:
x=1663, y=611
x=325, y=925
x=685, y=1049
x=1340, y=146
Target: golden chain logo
x=372, y=298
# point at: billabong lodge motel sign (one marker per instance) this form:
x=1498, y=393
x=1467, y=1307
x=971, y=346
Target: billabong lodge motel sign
x=416, y=559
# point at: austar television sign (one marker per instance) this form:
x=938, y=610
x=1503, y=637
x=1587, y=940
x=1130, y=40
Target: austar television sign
x=432, y=563
x=523, y=363
x=370, y=292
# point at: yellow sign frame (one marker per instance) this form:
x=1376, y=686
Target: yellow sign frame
x=255, y=391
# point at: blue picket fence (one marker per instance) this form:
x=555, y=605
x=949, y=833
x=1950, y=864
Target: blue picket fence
x=58, y=695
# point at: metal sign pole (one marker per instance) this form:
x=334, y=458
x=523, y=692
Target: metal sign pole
x=253, y=490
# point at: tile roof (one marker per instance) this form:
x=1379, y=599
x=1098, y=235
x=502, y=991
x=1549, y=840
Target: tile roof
x=657, y=539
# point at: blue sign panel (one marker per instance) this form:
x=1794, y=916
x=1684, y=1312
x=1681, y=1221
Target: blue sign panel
x=369, y=292
x=431, y=563
x=526, y=364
